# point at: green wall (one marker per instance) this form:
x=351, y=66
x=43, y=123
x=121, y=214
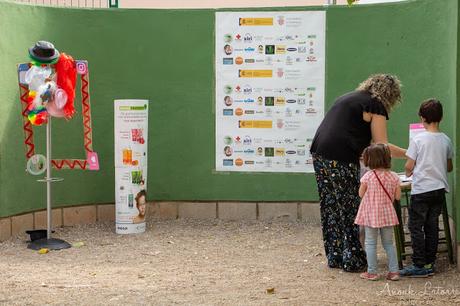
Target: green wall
x=456, y=209
x=167, y=56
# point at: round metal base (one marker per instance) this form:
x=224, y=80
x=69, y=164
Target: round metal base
x=51, y=244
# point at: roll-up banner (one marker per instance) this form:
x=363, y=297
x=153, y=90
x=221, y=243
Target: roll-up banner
x=131, y=126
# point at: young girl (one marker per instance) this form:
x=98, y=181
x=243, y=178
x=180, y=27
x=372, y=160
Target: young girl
x=379, y=188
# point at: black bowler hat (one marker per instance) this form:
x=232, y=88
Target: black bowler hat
x=44, y=52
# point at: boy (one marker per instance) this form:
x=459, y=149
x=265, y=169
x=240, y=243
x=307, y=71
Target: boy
x=429, y=158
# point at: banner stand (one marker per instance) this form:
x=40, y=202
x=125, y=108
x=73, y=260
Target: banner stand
x=131, y=129
x=48, y=242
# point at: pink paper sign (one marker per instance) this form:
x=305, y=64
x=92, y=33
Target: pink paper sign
x=93, y=161
x=415, y=128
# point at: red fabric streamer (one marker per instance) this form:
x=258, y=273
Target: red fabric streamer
x=66, y=79
x=87, y=136
x=27, y=126
x=69, y=163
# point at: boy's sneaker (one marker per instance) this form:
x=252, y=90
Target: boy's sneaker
x=369, y=276
x=393, y=276
x=430, y=268
x=414, y=271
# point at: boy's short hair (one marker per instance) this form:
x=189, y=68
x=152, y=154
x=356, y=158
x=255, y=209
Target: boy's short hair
x=431, y=110
x=377, y=156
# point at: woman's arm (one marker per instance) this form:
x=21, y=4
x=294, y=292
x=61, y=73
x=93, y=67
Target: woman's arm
x=379, y=135
x=397, y=152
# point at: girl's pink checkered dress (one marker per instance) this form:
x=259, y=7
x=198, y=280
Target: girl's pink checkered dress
x=376, y=210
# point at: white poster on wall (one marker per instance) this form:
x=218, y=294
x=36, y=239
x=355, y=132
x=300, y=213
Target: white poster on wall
x=131, y=126
x=270, y=76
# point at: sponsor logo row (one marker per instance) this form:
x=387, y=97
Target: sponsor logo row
x=248, y=140
x=287, y=163
x=268, y=101
x=288, y=112
x=248, y=89
x=264, y=151
x=250, y=38
x=269, y=49
x=289, y=60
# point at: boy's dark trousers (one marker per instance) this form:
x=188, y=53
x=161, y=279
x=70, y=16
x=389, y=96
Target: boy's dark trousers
x=424, y=212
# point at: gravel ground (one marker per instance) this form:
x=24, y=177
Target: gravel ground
x=194, y=262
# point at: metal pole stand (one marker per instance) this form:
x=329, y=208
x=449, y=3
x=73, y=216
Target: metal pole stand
x=48, y=242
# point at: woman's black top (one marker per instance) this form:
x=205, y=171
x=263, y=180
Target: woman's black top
x=343, y=134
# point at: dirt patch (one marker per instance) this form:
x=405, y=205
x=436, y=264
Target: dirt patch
x=202, y=263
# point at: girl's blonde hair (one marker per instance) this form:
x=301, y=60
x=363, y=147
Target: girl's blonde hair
x=384, y=87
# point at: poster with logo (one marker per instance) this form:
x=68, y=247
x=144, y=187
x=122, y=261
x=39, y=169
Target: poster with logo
x=270, y=79
x=131, y=126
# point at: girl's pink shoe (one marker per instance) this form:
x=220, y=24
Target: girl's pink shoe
x=369, y=276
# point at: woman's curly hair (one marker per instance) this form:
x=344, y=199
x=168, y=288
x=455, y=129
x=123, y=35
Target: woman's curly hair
x=384, y=87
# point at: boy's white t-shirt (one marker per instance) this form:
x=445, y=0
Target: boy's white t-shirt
x=430, y=152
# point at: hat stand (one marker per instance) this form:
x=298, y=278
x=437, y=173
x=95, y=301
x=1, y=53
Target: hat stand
x=48, y=242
